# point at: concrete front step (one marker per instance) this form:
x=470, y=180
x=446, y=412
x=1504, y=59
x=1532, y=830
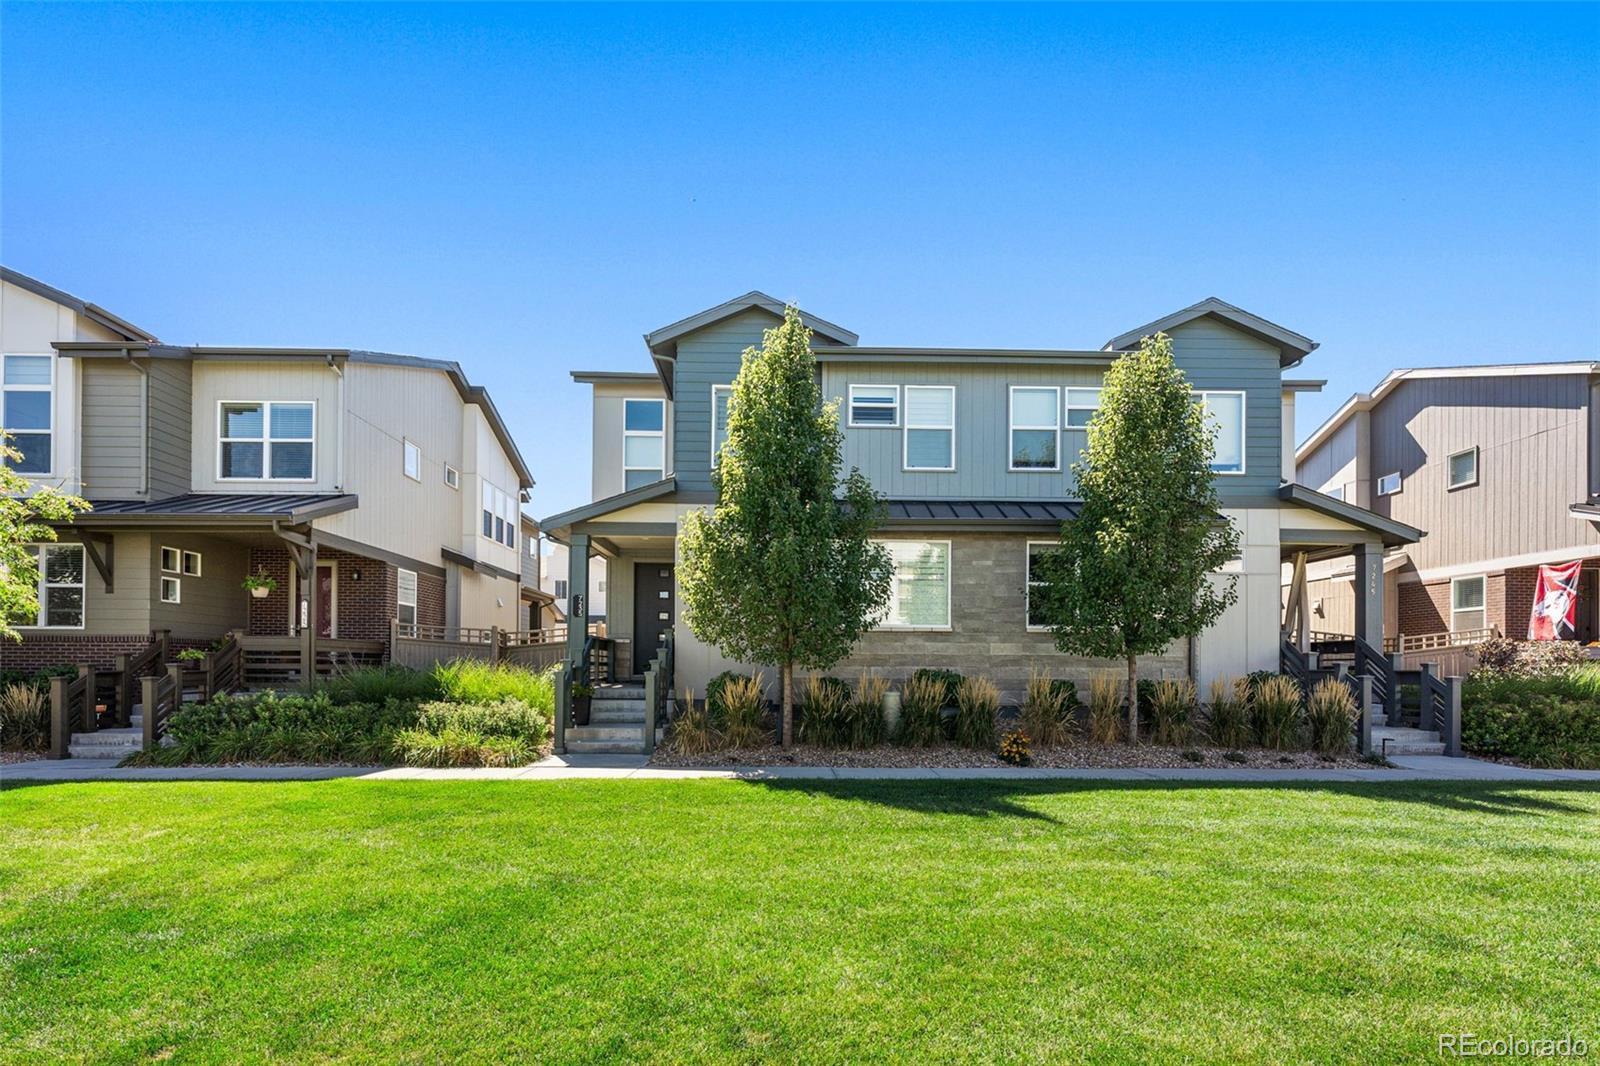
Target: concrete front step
x=617, y=705
x=1398, y=740
x=630, y=716
x=604, y=747
x=618, y=734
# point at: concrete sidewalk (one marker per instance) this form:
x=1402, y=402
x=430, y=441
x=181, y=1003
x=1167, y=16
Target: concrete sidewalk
x=593, y=767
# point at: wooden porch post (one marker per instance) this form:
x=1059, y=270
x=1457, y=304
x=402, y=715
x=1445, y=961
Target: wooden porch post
x=1369, y=593
x=577, y=595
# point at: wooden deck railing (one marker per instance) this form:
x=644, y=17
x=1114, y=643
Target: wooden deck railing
x=1459, y=638
x=72, y=710
x=1441, y=707
x=131, y=669
x=274, y=662
x=422, y=646
x=161, y=697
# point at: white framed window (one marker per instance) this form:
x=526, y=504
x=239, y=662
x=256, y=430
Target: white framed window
x=60, y=587
x=1080, y=407
x=561, y=588
x=500, y=516
x=452, y=477
x=919, y=596
x=874, y=406
x=171, y=561
x=1463, y=469
x=191, y=564
x=600, y=586
x=930, y=433
x=720, y=395
x=1389, y=484
x=1467, y=603
x=171, y=590
x=411, y=460
x=1225, y=414
x=1035, y=427
x=27, y=406
x=266, y=440
x=1032, y=618
x=1334, y=492
x=405, y=598
x=644, y=442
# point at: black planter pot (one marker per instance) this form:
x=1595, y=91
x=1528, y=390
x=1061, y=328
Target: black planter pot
x=580, y=710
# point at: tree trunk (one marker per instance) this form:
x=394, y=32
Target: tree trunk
x=1133, y=700
x=787, y=716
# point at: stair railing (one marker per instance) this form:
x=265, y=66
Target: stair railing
x=1372, y=662
x=1441, y=707
x=131, y=668
x=658, y=681
x=163, y=695
x=71, y=710
x=224, y=669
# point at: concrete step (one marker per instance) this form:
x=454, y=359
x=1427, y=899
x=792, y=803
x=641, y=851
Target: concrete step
x=622, y=734
x=619, y=692
x=617, y=705
x=1398, y=740
x=604, y=747
x=623, y=716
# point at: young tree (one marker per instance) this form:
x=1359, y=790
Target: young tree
x=24, y=516
x=1136, y=570
x=781, y=570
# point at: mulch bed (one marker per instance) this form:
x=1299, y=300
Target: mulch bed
x=1097, y=756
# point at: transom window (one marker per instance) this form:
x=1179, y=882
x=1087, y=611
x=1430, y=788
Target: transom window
x=1225, y=413
x=60, y=587
x=405, y=598
x=930, y=433
x=267, y=441
x=26, y=410
x=1467, y=604
x=919, y=595
x=720, y=395
x=1463, y=470
x=1035, y=432
x=499, y=516
x=644, y=442
x=874, y=406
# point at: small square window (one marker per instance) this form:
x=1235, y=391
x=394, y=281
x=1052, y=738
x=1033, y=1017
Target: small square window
x=1463, y=469
x=874, y=406
x=171, y=590
x=171, y=561
x=1389, y=484
x=412, y=460
x=191, y=564
x=452, y=476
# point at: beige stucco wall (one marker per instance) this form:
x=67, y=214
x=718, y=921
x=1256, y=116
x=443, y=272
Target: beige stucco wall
x=607, y=475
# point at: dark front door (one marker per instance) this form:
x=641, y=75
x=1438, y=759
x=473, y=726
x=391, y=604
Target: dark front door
x=325, y=592
x=1588, y=605
x=653, y=600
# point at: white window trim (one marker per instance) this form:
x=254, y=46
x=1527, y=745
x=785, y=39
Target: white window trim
x=1027, y=582
x=626, y=433
x=907, y=427
x=51, y=389
x=177, y=589
x=1067, y=406
x=1473, y=451
x=1244, y=427
x=715, y=451
x=183, y=561
x=407, y=445
x=39, y=588
x=502, y=507
x=452, y=477
x=161, y=559
x=265, y=441
x=1399, y=484
x=1484, y=610
x=949, y=582
x=399, y=597
x=850, y=409
x=1012, y=427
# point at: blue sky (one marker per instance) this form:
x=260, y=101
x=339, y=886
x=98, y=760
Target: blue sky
x=529, y=189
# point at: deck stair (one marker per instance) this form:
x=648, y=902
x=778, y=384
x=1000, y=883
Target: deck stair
x=616, y=722
x=110, y=743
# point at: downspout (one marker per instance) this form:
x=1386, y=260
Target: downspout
x=338, y=437
x=144, y=422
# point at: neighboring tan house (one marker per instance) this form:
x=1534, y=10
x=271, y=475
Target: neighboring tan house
x=537, y=605
x=1498, y=465
x=371, y=488
x=972, y=449
x=553, y=580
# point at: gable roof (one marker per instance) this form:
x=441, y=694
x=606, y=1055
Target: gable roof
x=1292, y=347
x=1393, y=533
x=94, y=312
x=1366, y=401
x=663, y=342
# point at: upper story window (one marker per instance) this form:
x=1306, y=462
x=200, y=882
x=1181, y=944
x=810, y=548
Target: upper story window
x=1035, y=422
x=60, y=586
x=25, y=409
x=874, y=406
x=1225, y=412
x=452, y=476
x=499, y=516
x=1081, y=407
x=411, y=460
x=720, y=395
x=919, y=596
x=1463, y=472
x=930, y=433
x=644, y=442
x=1389, y=484
x=266, y=440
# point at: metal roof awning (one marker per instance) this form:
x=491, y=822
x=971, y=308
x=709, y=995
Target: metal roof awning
x=208, y=509
x=980, y=513
x=1393, y=533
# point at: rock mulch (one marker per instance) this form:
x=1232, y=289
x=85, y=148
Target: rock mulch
x=1096, y=756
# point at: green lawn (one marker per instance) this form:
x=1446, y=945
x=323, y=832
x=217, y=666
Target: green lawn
x=690, y=920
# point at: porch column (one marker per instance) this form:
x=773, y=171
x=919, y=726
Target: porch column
x=577, y=595
x=1369, y=593
x=306, y=614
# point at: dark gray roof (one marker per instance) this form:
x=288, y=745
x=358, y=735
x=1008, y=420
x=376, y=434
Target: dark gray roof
x=1292, y=347
x=663, y=342
x=120, y=326
x=228, y=509
x=982, y=512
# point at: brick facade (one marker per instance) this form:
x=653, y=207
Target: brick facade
x=99, y=650
x=365, y=605
x=1508, y=602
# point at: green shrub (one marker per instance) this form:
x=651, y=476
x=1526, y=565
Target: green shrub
x=922, y=702
x=1275, y=713
x=461, y=747
x=39, y=679
x=864, y=712
x=505, y=718
x=24, y=718
x=822, y=704
x=693, y=731
x=1228, y=723
x=744, y=712
x=1331, y=715
x=951, y=679
x=1543, y=720
x=374, y=684
x=1047, y=709
x=1172, y=712
x=476, y=681
x=977, y=702
x=274, y=727
x=1105, y=708
x=714, y=693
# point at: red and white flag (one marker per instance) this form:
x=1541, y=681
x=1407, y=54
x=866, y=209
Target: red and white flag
x=1555, y=603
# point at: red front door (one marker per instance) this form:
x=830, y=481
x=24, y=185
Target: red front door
x=325, y=592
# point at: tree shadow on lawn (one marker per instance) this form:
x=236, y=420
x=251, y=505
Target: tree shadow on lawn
x=1006, y=799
